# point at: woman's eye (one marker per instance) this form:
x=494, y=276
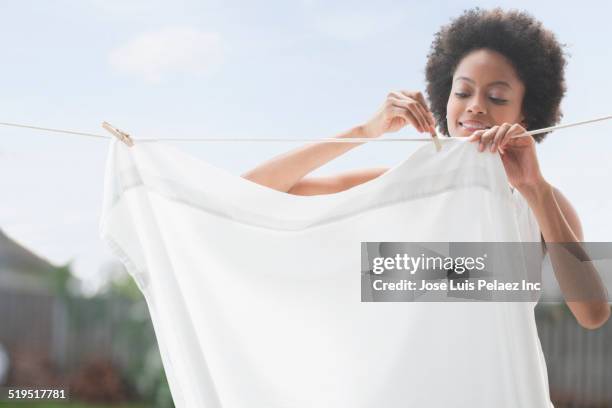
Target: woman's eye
x=498, y=100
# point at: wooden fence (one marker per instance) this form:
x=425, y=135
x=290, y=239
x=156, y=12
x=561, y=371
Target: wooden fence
x=579, y=361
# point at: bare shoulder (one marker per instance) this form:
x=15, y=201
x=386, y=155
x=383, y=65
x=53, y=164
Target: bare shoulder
x=569, y=212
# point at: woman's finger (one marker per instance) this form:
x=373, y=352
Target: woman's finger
x=412, y=107
x=417, y=107
x=402, y=112
x=486, y=138
x=499, y=135
x=418, y=97
x=476, y=136
x=429, y=122
x=515, y=129
x=421, y=99
x=391, y=110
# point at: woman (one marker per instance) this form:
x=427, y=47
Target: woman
x=490, y=75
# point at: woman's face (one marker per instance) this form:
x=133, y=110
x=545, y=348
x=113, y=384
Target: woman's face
x=486, y=91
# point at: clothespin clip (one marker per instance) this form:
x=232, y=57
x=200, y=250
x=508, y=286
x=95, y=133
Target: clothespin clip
x=436, y=141
x=124, y=137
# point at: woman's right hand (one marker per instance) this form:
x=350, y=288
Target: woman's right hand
x=401, y=108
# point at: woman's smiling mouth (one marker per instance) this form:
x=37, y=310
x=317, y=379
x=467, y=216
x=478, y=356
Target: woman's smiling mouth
x=472, y=125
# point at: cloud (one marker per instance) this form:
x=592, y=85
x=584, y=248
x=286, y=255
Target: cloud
x=171, y=50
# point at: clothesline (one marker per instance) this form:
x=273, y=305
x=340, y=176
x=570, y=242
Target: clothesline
x=335, y=140
x=243, y=139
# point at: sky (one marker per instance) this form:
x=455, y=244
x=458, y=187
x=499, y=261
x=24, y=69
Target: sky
x=244, y=69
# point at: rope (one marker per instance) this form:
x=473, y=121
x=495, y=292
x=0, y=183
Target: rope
x=335, y=140
x=55, y=130
x=238, y=139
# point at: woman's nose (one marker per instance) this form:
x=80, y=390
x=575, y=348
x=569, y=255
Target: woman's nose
x=476, y=106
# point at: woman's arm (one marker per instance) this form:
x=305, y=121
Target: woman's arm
x=335, y=183
x=284, y=171
x=587, y=296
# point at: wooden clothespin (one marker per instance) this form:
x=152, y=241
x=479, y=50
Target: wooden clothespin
x=436, y=141
x=124, y=137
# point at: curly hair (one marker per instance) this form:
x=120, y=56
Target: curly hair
x=534, y=52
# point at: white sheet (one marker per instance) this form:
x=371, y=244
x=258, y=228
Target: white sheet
x=255, y=294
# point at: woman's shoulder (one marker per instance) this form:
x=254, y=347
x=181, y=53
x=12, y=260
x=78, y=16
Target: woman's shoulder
x=569, y=212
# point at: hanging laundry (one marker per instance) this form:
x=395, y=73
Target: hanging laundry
x=255, y=294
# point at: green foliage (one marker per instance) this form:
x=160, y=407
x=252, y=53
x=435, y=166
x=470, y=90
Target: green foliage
x=60, y=281
x=121, y=307
x=135, y=331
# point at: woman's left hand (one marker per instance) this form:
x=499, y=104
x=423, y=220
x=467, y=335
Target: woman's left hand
x=518, y=154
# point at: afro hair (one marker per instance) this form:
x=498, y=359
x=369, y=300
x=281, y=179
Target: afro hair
x=534, y=52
